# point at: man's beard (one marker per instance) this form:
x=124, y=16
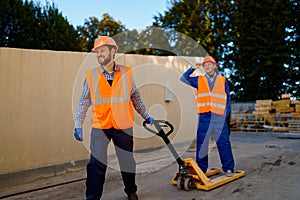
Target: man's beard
x=106, y=60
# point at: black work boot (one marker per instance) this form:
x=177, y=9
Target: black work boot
x=133, y=196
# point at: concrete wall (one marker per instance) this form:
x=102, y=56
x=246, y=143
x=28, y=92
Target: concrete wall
x=39, y=95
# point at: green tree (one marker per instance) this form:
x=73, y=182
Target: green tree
x=13, y=27
x=255, y=42
x=24, y=24
x=55, y=31
x=266, y=49
x=93, y=28
x=203, y=21
x=150, y=41
x=156, y=41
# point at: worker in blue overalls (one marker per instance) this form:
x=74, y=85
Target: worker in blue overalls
x=213, y=107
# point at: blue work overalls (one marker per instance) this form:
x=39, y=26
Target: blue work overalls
x=211, y=124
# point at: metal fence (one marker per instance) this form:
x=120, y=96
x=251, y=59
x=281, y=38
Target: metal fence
x=242, y=106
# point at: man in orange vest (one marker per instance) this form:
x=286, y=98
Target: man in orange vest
x=112, y=93
x=213, y=107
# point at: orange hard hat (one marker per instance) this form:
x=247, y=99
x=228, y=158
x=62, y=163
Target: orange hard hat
x=104, y=40
x=209, y=59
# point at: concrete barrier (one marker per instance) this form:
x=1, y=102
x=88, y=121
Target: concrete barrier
x=40, y=90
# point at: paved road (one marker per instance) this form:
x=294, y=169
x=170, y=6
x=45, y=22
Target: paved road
x=272, y=167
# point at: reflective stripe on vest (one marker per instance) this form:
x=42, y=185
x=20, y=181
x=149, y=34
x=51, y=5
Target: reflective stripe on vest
x=211, y=101
x=213, y=95
x=211, y=104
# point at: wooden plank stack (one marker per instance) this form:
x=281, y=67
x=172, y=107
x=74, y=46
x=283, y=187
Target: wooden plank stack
x=262, y=107
x=285, y=96
x=285, y=105
x=282, y=106
x=296, y=105
x=294, y=126
x=281, y=115
x=284, y=113
x=297, y=108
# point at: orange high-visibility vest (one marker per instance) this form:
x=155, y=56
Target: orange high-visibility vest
x=211, y=101
x=111, y=105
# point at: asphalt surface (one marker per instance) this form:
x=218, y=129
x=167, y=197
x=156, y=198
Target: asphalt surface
x=271, y=162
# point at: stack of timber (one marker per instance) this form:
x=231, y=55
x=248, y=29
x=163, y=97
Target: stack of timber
x=287, y=113
x=280, y=115
x=294, y=126
x=296, y=105
x=282, y=106
x=285, y=96
x=285, y=105
x=263, y=107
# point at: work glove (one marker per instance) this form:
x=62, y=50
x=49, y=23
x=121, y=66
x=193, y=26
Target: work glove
x=149, y=120
x=78, y=134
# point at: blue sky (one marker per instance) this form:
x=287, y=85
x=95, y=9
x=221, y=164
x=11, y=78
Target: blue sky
x=134, y=14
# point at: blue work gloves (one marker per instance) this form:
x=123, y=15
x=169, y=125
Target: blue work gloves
x=149, y=120
x=78, y=134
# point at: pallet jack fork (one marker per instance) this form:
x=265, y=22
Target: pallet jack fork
x=189, y=175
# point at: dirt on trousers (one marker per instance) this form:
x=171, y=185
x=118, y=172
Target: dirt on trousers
x=271, y=164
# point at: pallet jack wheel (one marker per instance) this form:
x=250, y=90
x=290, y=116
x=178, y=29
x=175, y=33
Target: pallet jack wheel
x=180, y=183
x=188, y=184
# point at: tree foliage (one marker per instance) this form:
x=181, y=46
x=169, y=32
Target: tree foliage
x=24, y=24
x=204, y=21
x=150, y=41
x=157, y=41
x=265, y=54
x=93, y=28
x=256, y=42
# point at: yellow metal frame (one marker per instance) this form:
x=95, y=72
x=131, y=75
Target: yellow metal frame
x=202, y=181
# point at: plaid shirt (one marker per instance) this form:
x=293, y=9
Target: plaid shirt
x=85, y=99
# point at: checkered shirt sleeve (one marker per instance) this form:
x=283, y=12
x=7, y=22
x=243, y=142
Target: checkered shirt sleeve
x=83, y=105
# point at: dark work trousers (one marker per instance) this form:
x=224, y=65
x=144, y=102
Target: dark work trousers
x=216, y=125
x=96, y=168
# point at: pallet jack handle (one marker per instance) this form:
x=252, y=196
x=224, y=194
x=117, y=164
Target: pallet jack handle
x=159, y=124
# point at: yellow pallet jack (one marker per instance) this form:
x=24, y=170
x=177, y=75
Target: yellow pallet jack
x=189, y=175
